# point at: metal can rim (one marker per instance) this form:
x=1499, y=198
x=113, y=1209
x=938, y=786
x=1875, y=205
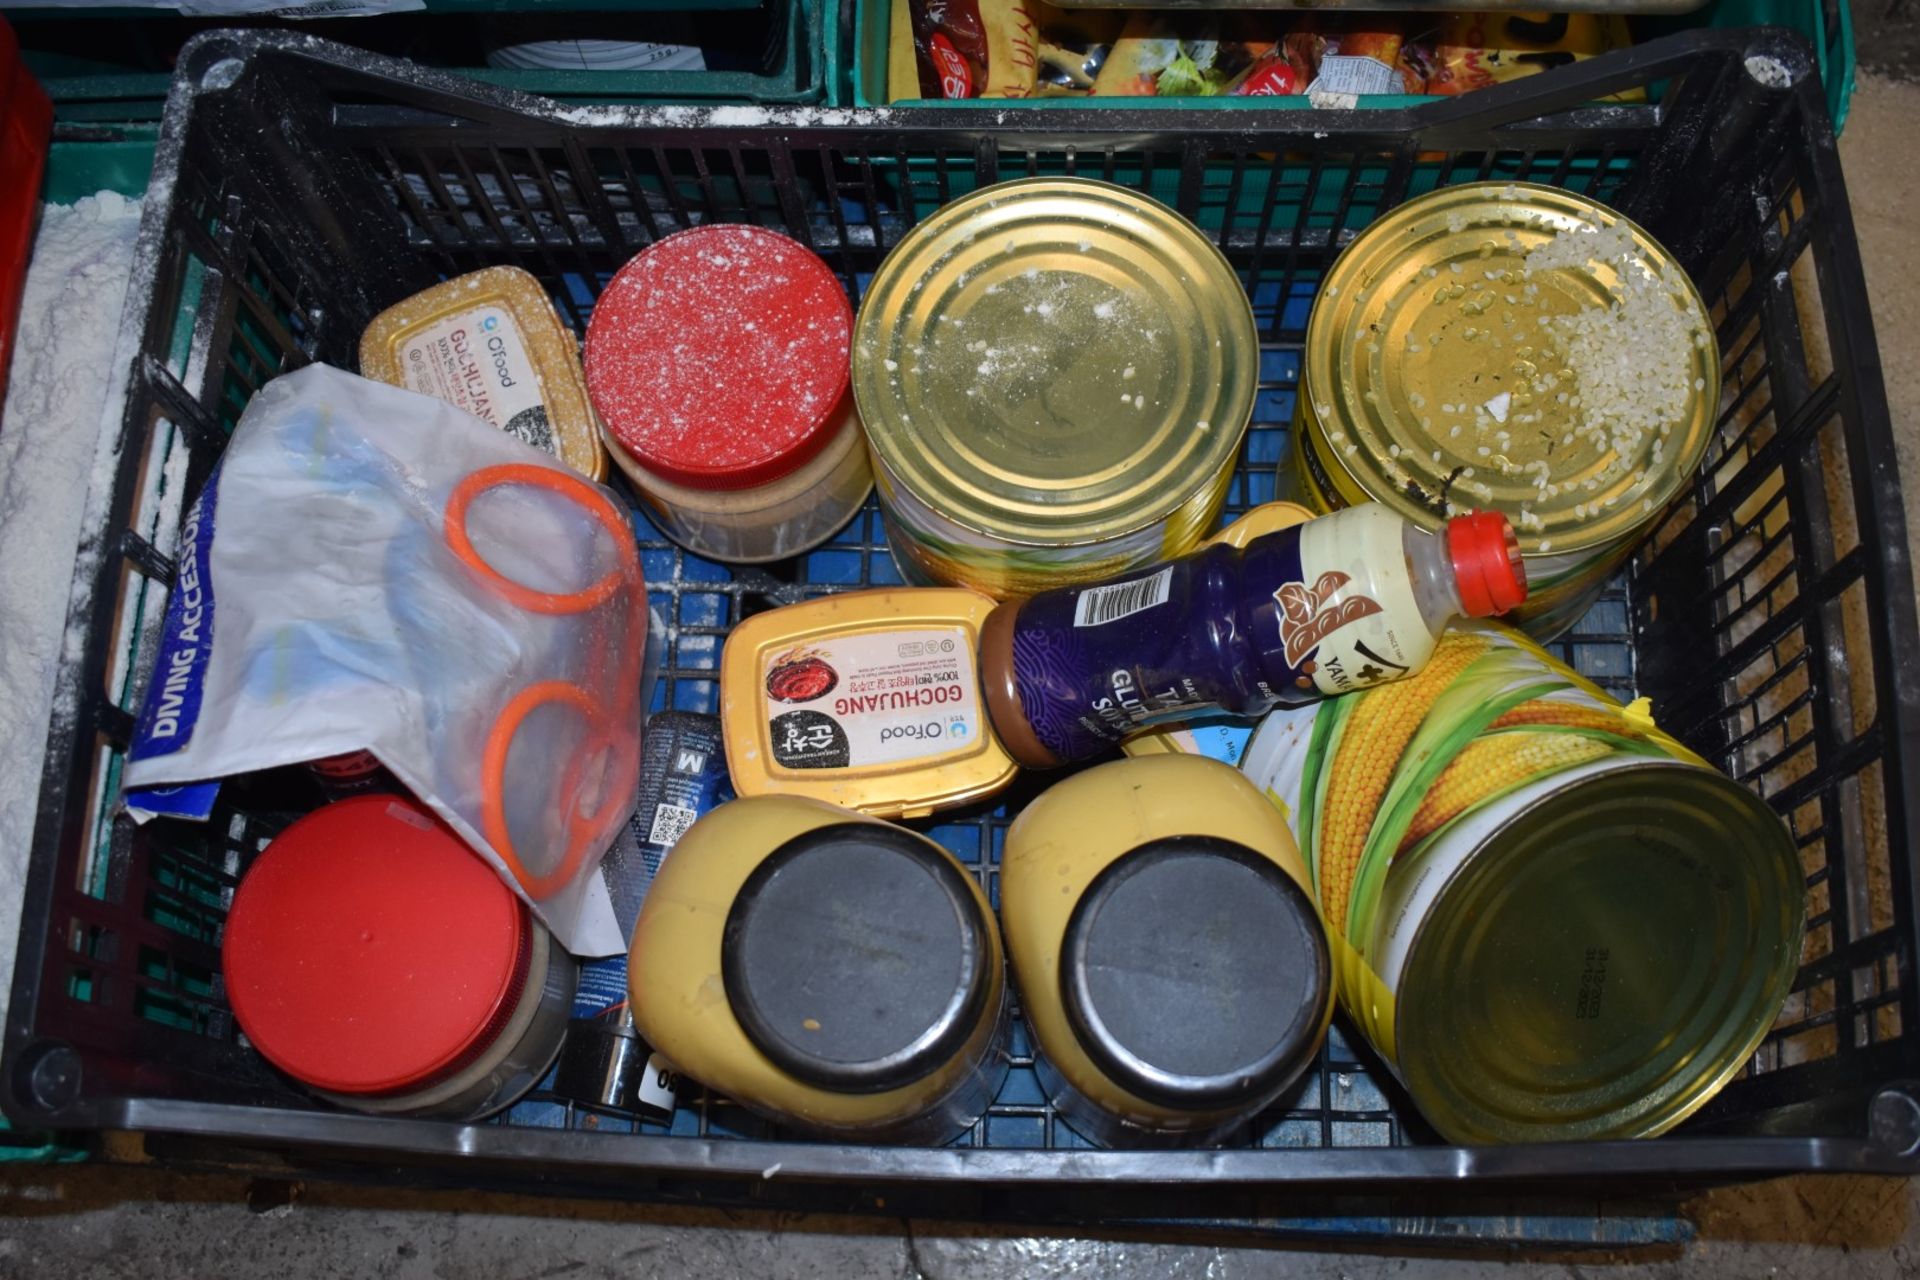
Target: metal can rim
x=1319, y=369
x=1001, y=516
x=1734, y=1052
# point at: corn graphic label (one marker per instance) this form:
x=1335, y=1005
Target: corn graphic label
x=1549, y=917
x=1375, y=784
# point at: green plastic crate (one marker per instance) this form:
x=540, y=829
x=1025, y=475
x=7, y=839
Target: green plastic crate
x=861, y=74
x=98, y=91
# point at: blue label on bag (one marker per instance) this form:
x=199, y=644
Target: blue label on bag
x=190, y=800
x=172, y=707
x=1222, y=740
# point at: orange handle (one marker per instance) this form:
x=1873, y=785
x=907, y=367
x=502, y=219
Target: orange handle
x=493, y=780
x=600, y=740
x=572, y=487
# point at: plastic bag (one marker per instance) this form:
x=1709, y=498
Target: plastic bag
x=371, y=569
x=1187, y=55
x=1478, y=50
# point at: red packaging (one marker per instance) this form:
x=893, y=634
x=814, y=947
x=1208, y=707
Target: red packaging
x=26, y=124
x=1281, y=73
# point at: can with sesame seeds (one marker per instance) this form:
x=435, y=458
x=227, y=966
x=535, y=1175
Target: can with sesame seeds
x=1055, y=375
x=1551, y=918
x=1513, y=347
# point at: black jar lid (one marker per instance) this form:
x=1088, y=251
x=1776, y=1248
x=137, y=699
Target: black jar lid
x=1194, y=973
x=857, y=958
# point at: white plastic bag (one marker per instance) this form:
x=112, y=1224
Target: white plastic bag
x=371, y=569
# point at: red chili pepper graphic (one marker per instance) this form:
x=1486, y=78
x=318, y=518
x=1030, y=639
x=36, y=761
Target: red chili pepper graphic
x=801, y=680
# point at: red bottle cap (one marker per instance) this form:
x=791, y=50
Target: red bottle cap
x=370, y=951
x=717, y=357
x=1486, y=563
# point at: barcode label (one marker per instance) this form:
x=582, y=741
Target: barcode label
x=670, y=822
x=1100, y=605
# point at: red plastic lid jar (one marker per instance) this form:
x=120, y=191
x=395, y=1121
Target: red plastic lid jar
x=374, y=957
x=717, y=361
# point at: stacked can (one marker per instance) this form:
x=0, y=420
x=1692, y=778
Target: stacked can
x=1055, y=375
x=1510, y=347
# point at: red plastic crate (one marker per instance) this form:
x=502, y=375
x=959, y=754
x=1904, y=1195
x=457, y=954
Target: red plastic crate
x=26, y=124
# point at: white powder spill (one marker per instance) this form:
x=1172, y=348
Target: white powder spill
x=1770, y=72
x=729, y=117
x=56, y=398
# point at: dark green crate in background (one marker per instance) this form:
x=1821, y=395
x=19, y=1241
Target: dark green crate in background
x=113, y=66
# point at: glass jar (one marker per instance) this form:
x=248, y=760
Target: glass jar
x=376, y=959
x=717, y=362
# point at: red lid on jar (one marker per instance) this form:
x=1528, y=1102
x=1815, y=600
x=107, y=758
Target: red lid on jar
x=717, y=357
x=370, y=951
x=1486, y=563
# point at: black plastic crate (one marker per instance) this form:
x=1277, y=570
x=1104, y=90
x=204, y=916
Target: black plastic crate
x=302, y=187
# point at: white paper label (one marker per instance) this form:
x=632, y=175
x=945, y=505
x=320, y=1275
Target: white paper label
x=1347, y=74
x=872, y=699
x=478, y=361
x=658, y=1085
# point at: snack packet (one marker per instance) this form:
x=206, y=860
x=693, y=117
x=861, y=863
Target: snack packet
x=1475, y=50
x=994, y=49
x=1162, y=55
x=1375, y=60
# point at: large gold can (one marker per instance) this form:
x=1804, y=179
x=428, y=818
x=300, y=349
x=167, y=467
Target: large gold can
x=1551, y=918
x=1055, y=375
x=1516, y=348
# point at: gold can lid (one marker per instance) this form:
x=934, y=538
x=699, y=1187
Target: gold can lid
x=1055, y=361
x=1518, y=348
x=1603, y=961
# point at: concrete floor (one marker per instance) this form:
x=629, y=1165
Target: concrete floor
x=110, y=1221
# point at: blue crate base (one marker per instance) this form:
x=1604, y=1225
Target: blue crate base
x=1349, y=1099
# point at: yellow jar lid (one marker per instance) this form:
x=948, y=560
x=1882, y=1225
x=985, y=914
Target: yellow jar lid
x=869, y=700
x=490, y=342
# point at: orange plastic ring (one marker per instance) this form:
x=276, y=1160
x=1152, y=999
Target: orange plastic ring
x=493, y=780
x=571, y=487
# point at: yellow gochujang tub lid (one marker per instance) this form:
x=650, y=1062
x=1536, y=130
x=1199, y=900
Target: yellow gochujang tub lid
x=490, y=342
x=869, y=700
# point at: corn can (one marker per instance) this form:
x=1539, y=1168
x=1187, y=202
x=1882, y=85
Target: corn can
x=1510, y=347
x=1551, y=918
x=1055, y=375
